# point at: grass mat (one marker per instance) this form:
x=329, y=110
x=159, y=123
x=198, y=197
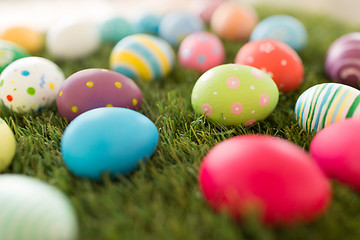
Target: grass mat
x=162, y=200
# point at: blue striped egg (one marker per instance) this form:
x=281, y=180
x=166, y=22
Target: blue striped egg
x=324, y=104
x=142, y=57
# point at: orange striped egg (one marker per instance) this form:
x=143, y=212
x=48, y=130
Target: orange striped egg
x=324, y=104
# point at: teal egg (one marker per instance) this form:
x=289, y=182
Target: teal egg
x=108, y=139
x=327, y=103
x=9, y=52
x=114, y=29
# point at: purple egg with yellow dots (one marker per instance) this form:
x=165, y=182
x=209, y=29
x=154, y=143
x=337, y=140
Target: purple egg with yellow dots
x=94, y=88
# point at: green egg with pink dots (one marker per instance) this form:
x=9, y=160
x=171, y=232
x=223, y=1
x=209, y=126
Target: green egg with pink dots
x=235, y=94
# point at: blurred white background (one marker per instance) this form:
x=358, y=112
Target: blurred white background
x=41, y=13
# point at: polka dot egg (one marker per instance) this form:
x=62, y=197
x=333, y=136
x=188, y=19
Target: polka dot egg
x=235, y=94
x=201, y=51
x=277, y=59
x=30, y=83
x=142, y=57
x=94, y=88
x=284, y=28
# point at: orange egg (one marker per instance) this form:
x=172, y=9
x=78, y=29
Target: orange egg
x=234, y=21
x=26, y=37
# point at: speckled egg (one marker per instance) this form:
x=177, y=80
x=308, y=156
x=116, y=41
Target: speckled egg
x=27, y=37
x=176, y=25
x=235, y=94
x=277, y=59
x=114, y=29
x=7, y=145
x=32, y=209
x=284, y=28
x=201, y=51
x=264, y=175
x=113, y=140
x=147, y=23
x=342, y=63
x=142, y=57
x=30, y=83
x=327, y=103
x=336, y=150
x=234, y=21
x=205, y=8
x=10, y=52
x=94, y=88
x=72, y=38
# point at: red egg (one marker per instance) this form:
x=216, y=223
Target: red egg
x=272, y=176
x=336, y=150
x=275, y=58
x=93, y=88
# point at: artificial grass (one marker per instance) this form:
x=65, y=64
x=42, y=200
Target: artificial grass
x=162, y=200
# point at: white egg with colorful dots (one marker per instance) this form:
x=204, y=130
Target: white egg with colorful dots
x=30, y=83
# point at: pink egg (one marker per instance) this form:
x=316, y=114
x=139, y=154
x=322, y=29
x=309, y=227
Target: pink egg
x=277, y=59
x=205, y=8
x=201, y=51
x=266, y=175
x=336, y=150
x=94, y=88
x=234, y=21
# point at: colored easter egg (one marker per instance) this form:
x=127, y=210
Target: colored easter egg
x=30, y=83
x=205, y=8
x=112, y=140
x=10, y=52
x=234, y=21
x=7, y=145
x=147, y=23
x=235, y=94
x=94, y=88
x=275, y=58
x=284, y=28
x=327, y=103
x=201, y=51
x=176, y=25
x=71, y=38
x=28, y=38
x=142, y=57
x=336, y=150
x=342, y=63
x=32, y=209
x=268, y=176
x=114, y=29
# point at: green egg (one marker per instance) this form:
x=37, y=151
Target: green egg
x=10, y=52
x=235, y=95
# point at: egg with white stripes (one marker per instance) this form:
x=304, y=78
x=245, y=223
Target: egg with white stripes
x=326, y=103
x=32, y=209
x=142, y=57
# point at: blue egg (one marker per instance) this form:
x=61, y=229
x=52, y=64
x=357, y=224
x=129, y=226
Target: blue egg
x=114, y=29
x=284, y=28
x=147, y=23
x=175, y=26
x=108, y=139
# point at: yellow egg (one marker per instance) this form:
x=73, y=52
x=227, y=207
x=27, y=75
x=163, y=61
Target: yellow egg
x=7, y=145
x=26, y=37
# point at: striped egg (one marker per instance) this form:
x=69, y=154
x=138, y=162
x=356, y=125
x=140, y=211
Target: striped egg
x=324, y=104
x=142, y=57
x=32, y=209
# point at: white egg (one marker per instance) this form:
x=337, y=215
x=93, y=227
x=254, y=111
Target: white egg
x=71, y=38
x=30, y=83
x=32, y=209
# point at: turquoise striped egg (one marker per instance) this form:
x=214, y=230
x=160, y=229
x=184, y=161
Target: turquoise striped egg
x=142, y=57
x=324, y=104
x=32, y=209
